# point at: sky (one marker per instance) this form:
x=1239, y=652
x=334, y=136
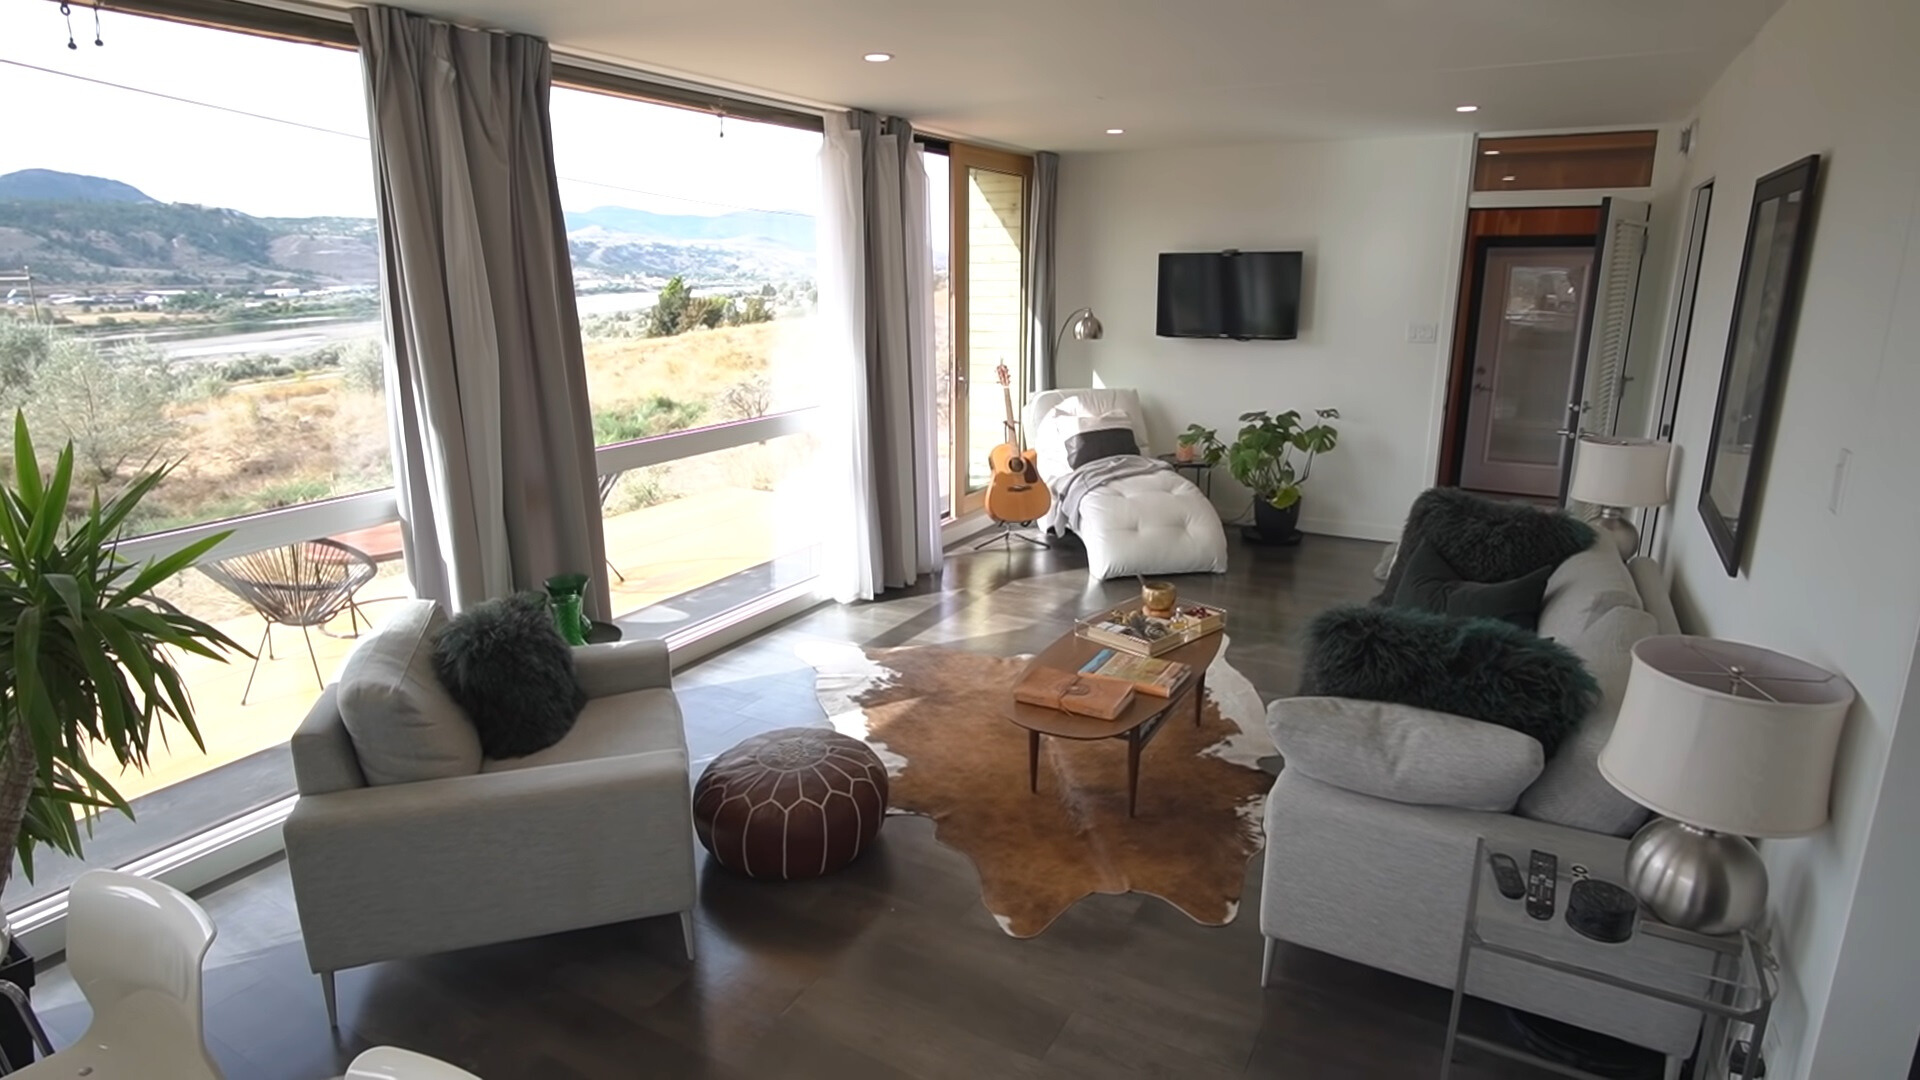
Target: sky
x=608, y=151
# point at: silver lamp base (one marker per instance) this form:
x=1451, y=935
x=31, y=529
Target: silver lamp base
x=1697, y=879
x=1613, y=523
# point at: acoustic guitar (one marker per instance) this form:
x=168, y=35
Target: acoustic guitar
x=1016, y=492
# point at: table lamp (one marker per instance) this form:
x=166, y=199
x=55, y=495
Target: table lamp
x=1724, y=741
x=1617, y=473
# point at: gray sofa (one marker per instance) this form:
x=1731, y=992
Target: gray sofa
x=1372, y=824
x=405, y=841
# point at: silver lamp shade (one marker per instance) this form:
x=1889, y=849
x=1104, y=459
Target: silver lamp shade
x=1725, y=741
x=1616, y=473
x=1082, y=325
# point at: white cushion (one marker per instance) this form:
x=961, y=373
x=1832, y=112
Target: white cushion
x=1052, y=415
x=1153, y=524
x=1583, y=588
x=403, y=724
x=611, y=726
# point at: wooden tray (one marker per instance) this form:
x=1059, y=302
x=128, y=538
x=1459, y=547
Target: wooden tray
x=1107, y=628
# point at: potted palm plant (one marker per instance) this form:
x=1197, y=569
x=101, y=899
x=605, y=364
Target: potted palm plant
x=88, y=653
x=1272, y=456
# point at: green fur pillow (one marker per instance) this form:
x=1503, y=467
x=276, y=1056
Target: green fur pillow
x=1486, y=540
x=512, y=674
x=1478, y=668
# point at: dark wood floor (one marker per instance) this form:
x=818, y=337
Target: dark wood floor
x=889, y=969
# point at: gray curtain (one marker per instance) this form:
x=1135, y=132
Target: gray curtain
x=903, y=500
x=492, y=432
x=1042, y=211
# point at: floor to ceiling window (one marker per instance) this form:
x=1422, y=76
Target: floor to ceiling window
x=692, y=235
x=189, y=273
x=980, y=309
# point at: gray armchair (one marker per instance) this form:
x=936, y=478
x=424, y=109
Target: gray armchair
x=406, y=842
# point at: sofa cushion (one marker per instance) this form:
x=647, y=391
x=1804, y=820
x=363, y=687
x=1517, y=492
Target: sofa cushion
x=1405, y=754
x=1486, y=540
x=1583, y=588
x=1477, y=668
x=1430, y=583
x=507, y=665
x=403, y=724
x=632, y=723
x=1571, y=791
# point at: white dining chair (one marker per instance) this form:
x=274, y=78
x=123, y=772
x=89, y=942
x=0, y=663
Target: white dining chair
x=135, y=948
x=393, y=1063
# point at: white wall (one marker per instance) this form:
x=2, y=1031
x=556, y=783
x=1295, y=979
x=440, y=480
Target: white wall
x=1842, y=589
x=1380, y=222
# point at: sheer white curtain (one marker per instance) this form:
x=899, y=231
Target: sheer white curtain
x=876, y=301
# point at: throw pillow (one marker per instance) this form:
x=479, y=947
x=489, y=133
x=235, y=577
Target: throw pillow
x=1487, y=540
x=1478, y=668
x=512, y=672
x=1430, y=583
x=1100, y=443
x=403, y=724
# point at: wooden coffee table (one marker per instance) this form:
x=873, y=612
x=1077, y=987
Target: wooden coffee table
x=1137, y=725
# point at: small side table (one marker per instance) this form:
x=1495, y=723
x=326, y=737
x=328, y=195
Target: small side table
x=1728, y=979
x=1203, y=472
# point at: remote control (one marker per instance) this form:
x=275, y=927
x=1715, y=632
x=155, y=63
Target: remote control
x=1542, y=868
x=1506, y=875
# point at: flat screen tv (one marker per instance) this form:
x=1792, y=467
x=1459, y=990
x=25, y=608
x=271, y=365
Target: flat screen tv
x=1243, y=295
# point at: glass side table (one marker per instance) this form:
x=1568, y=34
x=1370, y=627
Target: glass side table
x=1202, y=472
x=1729, y=979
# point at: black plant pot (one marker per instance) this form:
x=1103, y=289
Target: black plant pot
x=1277, y=526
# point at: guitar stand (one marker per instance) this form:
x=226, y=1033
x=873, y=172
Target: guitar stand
x=1009, y=531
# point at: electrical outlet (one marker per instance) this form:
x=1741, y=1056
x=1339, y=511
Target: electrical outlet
x=1423, y=333
x=1839, y=481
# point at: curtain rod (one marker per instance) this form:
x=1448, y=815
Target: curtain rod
x=332, y=27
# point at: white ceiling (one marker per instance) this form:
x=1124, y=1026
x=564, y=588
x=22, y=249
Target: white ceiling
x=1054, y=74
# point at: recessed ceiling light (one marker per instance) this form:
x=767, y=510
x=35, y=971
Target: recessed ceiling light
x=1466, y=108
x=1491, y=153
x=877, y=57
x=1116, y=131
x=1508, y=179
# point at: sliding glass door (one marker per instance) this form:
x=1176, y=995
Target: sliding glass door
x=985, y=318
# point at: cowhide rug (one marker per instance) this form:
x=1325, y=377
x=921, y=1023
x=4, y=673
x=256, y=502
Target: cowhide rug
x=934, y=716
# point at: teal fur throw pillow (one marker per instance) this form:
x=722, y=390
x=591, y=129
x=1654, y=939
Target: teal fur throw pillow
x=511, y=672
x=1482, y=669
x=1484, y=539
x=1430, y=583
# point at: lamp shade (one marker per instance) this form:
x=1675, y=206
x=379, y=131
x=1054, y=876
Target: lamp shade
x=1620, y=472
x=1728, y=737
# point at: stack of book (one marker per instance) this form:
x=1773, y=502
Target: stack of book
x=1160, y=678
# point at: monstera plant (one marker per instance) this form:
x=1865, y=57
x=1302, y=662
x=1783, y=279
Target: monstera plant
x=89, y=653
x=1272, y=456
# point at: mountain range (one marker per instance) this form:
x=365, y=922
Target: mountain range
x=81, y=231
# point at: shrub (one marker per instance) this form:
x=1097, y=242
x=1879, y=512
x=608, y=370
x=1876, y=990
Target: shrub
x=364, y=366
x=110, y=404
x=657, y=415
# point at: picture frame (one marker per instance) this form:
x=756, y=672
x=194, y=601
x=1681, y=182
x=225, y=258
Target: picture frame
x=1766, y=303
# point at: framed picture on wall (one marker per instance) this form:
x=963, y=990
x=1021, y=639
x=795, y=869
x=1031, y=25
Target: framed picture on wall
x=1765, y=301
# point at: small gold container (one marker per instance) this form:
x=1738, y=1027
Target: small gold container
x=1158, y=598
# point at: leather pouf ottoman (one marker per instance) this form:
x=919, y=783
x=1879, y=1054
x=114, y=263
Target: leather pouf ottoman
x=792, y=803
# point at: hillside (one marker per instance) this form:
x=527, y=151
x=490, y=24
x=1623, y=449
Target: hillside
x=67, y=187
x=89, y=231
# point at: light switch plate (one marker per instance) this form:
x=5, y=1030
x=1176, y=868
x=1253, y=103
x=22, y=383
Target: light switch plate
x=1423, y=333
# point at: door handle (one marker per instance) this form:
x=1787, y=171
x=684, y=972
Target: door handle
x=1567, y=433
x=1482, y=388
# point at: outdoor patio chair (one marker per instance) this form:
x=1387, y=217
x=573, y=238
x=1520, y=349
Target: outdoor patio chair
x=303, y=585
x=607, y=480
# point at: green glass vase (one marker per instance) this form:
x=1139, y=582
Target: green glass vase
x=566, y=593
